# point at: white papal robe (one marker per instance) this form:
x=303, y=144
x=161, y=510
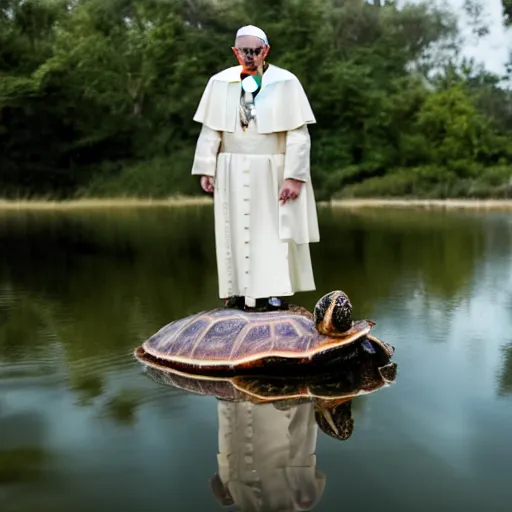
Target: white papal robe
x=267, y=458
x=262, y=247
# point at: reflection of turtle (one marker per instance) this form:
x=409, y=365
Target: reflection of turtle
x=332, y=391
x=229, y=339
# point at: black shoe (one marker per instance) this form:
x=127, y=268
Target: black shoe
x=259, y=307
x=277, y=304
x=269, y=304
x=235, y=302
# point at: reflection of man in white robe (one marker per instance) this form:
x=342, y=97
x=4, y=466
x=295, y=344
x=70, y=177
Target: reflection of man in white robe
x=253, y=155
x=267, y=458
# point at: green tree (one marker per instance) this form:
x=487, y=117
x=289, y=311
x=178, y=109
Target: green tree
x=97, y=98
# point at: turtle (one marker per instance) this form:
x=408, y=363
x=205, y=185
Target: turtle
x=230, y=340
x=332, y=389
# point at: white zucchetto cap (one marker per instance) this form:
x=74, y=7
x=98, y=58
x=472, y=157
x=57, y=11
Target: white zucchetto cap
x=251, y=30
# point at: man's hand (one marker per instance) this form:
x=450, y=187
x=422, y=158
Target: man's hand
x=207, y=184
x=290, y=190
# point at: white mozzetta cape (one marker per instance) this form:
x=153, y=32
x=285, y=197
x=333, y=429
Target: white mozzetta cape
x=280, y=90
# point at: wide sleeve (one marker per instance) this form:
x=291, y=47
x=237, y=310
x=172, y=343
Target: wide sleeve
x=207, y=148
x=298, y=148
x=298, y=220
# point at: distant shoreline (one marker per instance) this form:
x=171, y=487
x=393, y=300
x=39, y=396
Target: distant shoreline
x=114, y=203
x=484, y=204
x=98, y=203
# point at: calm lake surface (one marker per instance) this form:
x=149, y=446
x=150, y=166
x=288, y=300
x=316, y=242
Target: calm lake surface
x=83, y=428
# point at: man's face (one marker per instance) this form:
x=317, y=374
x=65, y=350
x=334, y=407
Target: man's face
x=250, y=52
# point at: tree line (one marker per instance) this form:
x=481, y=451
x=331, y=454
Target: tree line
x=97, y=97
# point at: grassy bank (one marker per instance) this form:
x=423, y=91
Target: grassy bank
x=127, y=203
x=433, y=187
x=101, y=203
x=483, y=204
x=467, y=180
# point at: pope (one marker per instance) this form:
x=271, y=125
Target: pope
x=253, y=155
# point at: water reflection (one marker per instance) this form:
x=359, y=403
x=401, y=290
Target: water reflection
x=266, y=458
x=122, y=406
x=268, y=428
x=505, y=378
x=22, y=447
x=113, y=276
x=78, y=290
x=433, y=252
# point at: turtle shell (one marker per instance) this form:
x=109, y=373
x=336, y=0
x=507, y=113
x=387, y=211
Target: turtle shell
x=231, y=339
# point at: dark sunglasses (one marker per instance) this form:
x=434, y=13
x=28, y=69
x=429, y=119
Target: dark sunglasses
x=250, y=51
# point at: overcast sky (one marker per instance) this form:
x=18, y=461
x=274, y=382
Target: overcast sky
x=492, y=50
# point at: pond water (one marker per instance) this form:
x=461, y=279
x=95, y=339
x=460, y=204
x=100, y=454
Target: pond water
x=82, y=427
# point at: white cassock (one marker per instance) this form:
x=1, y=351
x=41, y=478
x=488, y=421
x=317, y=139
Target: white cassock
x=267, y=458
x=262, y=246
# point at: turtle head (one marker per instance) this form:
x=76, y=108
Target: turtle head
x=333, y=314
x=335, y=420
